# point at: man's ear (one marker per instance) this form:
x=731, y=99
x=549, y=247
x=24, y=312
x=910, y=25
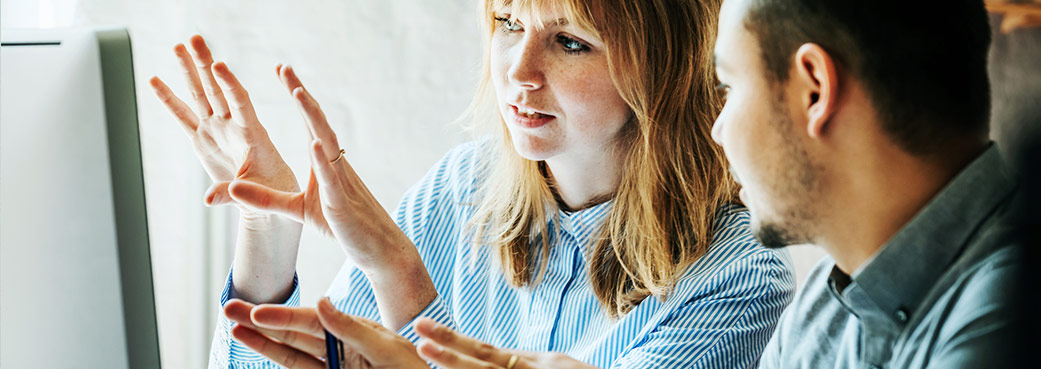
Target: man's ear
x=816, y=84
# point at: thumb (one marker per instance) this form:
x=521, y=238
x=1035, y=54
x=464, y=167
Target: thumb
x=217, y=194
x=364, y=338
x=265, y=199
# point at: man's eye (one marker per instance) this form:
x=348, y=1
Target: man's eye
x=508, y=25
x=723, y=89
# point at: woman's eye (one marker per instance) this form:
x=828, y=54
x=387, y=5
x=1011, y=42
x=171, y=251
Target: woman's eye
x=508, y=25
x=572, y=46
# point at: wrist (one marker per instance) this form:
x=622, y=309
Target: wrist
x=388, y=259
x=402, y=290
x=402, y=270
x=258, y=221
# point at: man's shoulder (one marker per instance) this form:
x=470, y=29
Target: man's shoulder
x=977, y=287
x=989, y=272
x=972, y=316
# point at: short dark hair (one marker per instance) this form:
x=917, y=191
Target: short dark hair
x=923, y=63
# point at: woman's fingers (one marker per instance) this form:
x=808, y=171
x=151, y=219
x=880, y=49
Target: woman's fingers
x=366, y=338
x=446, y=337
x=189, y=121
x=282, y=354
x=298, y=319
x=316, y=122
x=203, y=62
x=218, y=194
x=305, y=343
x=237, y=96
x=191, y=76
x=331, y=188
x=289, y=79
x=266, y=199
x=449, y=358
x=241, y=312
x=288, y=76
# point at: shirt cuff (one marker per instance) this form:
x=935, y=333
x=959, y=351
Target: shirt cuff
x=225, y=350
x=228, y=293
x=437, y=310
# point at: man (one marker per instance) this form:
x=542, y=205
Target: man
x=862, y=127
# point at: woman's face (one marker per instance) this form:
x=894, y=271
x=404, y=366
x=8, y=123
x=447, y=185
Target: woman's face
x=553, y=87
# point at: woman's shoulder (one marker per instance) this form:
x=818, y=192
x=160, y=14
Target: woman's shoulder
x=735, y=254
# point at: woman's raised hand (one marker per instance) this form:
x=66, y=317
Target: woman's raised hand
x=232, y=145
x=223, y=128
x=248, y=171
x=336, y=201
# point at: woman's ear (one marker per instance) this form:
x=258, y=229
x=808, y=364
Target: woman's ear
x=816, y=85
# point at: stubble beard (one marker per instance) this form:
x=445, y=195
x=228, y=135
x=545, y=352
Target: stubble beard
x=796, y=180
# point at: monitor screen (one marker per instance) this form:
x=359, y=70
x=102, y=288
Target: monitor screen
x=75, y=270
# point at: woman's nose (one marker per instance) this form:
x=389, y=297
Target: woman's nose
x=527, y=65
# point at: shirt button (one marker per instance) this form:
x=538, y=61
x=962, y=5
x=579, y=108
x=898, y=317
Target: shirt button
x=901, y=316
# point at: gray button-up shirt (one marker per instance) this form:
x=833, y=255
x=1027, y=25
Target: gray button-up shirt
x=938, y=295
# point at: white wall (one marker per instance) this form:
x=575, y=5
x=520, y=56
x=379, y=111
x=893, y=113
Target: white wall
x=390, y=75
x=804, y=258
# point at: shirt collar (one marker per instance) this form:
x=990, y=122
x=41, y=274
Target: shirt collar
x=582, y=225
x=906, y=268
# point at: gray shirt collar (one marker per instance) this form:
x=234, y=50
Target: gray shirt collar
x=906, y=267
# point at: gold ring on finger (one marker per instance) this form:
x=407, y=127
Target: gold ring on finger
x=512, y=363
x=337, y=158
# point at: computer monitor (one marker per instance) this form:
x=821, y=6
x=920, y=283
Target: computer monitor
x=75, y=271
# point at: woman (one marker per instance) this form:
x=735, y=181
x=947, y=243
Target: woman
x=596, y=221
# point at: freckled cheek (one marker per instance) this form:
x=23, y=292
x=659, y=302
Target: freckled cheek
x=590, y=101
x=498, y=66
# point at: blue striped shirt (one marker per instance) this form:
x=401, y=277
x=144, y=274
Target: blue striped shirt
x=720, y=315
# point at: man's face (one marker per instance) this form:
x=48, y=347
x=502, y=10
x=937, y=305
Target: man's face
x=762, y=138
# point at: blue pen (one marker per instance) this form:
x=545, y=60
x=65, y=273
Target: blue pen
x=333, y=351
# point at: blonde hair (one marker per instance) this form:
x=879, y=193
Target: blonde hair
x=674, y=178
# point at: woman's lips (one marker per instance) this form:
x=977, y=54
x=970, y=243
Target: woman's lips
x=529, y=120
